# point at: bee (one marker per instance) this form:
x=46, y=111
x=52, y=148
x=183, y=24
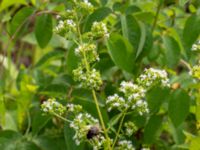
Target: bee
x=92, y=132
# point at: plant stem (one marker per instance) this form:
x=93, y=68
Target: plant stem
x=87, y=65
x=119, y=129
x=156, y=17
x=64, y=119
x=101, y=118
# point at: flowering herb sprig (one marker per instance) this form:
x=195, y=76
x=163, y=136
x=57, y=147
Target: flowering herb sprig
x=82, y=124
x=133, y=98
x=86, y=50
x=131, y=95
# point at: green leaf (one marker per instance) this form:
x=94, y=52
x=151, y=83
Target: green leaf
x=20, y=19
x=72, y=60
x=43, y=29
x=172, y=51
x=114, y=120
x=52, y=55
x=103, y=2
x=131, y=30
x=178, y=106
x=70, y=142
x=142, y=39
x=146, y=17
x=50, y=142
x=6, y=3
x=7, y=138
x=97, y=15
x=121, y=52
x=177, y=133
x=191, y=32
x=147, y=46
x=156, y=97
x=54, y=89
x=10, y=140
x=39, y=121
x=152, y=128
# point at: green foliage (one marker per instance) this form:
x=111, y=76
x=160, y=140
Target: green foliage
x=43, y=29
x=191, y=32
x=121, y=52
x=99, y=74
x=178, y=107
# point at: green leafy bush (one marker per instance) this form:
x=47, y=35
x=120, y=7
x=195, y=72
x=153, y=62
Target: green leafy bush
x=99, y=74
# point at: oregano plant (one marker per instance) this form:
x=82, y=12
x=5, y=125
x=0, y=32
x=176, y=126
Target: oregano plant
x=99, y=74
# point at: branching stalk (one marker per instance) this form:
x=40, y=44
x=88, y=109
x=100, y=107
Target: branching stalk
x=119, y=129
x=87, y=65
x=156, y=16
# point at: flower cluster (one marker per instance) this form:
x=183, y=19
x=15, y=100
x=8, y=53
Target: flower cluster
x=196, y=46
x=130, y=128
x=132, y=92
x=85, y=6
x=88, y=51
x=152, y=77
x=70, y=29
x=75, y=109
x=116, y=101
x=81, y=125
x=69, y=14
x=195, y=72
x=89, y=79
x=52, y=106
x=141, y=106
x=97, y=140
x=133, y=98
x=124, y=144
x=64, y=27
x=99, y=29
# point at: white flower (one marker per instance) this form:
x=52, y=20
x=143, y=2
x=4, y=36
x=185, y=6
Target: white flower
x=87, y=50
x=89, y=79
x=74, y=108
x=115, y=101
x=133, y=98
x=81, y=124
x=132, y=92
x=71, y=23
x=87, y=3
x=196, y=46
x=125, y=145
x=99, y=29
x=152, y=76
x=52, y=106
x=130, y=128
x=60, y=25
x=141, y=106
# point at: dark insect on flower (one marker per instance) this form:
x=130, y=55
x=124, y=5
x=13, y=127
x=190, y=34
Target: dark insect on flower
x=92, y=132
